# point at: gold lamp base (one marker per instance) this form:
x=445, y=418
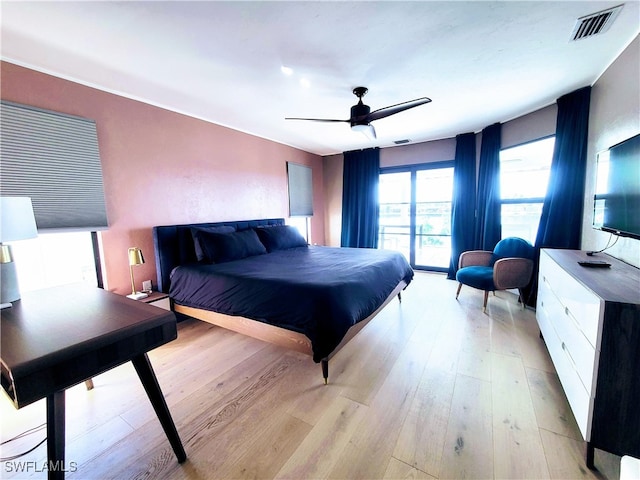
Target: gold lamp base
x=9, y=288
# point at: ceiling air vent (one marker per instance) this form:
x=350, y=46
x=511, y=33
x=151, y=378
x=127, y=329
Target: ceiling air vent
x=595, y=24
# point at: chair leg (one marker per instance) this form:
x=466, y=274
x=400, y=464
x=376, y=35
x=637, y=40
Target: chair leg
x=521, y=298
x=486, y=297
x=458, y=291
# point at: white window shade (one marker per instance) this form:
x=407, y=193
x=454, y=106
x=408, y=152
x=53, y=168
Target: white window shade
x=54, y=159
x=300, y=190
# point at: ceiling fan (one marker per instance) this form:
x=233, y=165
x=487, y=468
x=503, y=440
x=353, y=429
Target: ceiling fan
x=362, y=116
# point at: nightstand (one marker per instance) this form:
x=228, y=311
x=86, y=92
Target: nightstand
x=158, y=299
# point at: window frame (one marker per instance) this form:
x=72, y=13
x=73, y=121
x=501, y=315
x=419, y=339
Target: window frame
x=526, y=200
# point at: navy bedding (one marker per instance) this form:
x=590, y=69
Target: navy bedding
x=317, y=291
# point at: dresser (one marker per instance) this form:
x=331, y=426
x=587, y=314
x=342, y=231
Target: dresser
x=589, y=319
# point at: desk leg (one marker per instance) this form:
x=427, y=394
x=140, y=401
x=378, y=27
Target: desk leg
x=150, y=382
x=55, y=435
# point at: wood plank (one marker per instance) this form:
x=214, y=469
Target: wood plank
x=267, y=450
x=422, y=437
x=468, y=446
x=518, y=451
x=198, y=420
x=369, y=450
x=319, y=451
x=475, y=361
x=397, y=470
x=369, y=365
x=552, y=409
x=565, y=457
x=183, y=376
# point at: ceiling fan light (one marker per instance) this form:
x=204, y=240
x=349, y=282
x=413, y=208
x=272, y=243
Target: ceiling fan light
x=366, y=129
x=360, y=128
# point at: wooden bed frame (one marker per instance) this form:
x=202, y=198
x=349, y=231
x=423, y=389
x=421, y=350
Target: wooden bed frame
x=277, y=335
x=174, y=246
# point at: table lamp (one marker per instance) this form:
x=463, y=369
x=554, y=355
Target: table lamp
x=17, y=222
x=135, y=258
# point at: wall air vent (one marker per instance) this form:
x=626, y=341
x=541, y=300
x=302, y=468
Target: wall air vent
x=595, y=24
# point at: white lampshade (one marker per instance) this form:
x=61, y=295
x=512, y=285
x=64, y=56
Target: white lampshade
x=17, y=221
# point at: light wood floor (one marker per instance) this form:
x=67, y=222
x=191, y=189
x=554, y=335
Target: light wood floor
x=432, y=388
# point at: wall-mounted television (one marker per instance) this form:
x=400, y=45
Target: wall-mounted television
x=617, y=194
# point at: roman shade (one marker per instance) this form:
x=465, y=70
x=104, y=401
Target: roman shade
x=300, y=190
x=54, y=159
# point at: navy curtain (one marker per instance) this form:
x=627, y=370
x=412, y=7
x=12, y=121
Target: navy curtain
x=360, y=208
x=561, y=220
x=464, y=200
x=488, y=222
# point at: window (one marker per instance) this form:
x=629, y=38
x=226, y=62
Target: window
x=54, y=159
x=302, y=225
x=434, y=191
x=300, y=183
x=524, y=175
x=415, y=213
x=395, y=212
x=54, y=259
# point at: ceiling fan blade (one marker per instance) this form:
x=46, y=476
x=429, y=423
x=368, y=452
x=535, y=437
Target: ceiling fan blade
x=393, y=109
x=316, y=119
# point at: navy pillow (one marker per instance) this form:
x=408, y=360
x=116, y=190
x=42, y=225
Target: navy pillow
x=226, y=247
x=196, y=238
x=280, y=237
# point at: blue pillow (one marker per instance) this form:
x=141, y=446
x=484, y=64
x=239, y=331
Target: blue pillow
x=226, y=247
x=280, y=237
x=196, y=239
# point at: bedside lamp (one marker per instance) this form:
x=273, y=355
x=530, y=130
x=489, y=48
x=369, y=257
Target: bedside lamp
x=17, y=222
x=135, y=258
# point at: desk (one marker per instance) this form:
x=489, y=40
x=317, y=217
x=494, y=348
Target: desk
x=55, y=338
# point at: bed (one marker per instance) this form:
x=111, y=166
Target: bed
x=261, y=279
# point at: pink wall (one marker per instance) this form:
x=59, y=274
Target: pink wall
x=162, y=167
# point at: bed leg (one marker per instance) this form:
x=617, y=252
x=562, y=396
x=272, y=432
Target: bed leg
x=325, y=370
x=400, y=297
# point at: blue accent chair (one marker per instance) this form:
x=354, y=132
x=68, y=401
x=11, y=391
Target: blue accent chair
x=510, y=265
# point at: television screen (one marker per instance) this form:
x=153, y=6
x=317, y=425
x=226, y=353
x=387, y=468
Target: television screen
x=617, y=197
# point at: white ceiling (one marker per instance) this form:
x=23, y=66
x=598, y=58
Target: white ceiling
x=480, y=62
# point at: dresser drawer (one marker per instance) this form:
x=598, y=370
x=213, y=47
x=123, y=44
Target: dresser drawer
x=577, y=396
x=578, y=301
x=578, y=349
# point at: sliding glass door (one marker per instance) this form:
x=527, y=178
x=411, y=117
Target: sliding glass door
x=415, y=213
x=395, y=212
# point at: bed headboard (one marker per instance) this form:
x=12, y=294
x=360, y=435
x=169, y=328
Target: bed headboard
x=174, y=244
